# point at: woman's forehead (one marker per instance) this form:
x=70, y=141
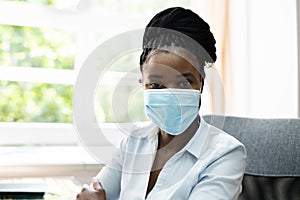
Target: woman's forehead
x=167, y=64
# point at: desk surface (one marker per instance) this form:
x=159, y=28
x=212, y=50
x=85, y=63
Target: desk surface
x=44, y=161
x=53, y=188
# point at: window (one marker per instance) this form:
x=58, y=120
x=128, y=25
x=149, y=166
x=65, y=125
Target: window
x=43, y=45
x=25, y=53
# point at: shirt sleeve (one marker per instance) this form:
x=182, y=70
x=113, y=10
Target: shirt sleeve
x=110, y=175
x=222, y=179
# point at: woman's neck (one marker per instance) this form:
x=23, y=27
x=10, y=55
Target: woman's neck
x=168, y=141
x=164, y=138
x=168, y=145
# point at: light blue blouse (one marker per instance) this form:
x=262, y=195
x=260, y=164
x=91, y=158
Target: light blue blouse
x=209, y=167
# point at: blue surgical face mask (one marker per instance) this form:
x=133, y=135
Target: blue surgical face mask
x=172, y=110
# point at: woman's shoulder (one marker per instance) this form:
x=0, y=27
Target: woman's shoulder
x=141, y=135
x=223, y=138
x=213, y=141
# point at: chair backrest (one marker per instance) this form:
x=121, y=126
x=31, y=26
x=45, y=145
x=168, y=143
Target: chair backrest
x=273, y=155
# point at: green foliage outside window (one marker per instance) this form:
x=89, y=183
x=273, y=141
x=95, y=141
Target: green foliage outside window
x=35, y=47
x=38, y=102
x=28, y=102
x=50, y=48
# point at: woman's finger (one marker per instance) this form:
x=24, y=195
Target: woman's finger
x=96, y=184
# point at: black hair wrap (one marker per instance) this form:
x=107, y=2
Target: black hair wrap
x=187, y=23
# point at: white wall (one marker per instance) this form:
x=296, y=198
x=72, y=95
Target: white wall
x=272, y=58
x=263, y=53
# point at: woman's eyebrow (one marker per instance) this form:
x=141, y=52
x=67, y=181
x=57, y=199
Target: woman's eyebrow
x=186, y=75
x=154, y=76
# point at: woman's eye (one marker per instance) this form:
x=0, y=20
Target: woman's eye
x=154, y=85
x=184, y=84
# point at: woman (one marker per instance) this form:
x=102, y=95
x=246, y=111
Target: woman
x=178, y=155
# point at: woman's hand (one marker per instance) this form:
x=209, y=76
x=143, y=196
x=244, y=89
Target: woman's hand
x=88, y=193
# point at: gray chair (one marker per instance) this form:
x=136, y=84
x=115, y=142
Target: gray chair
x=273, y=155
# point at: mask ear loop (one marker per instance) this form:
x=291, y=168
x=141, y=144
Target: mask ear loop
x=200, y=101
x=201, y=89
x=202, y=84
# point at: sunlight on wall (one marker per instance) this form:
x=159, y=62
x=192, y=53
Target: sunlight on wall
x=261, y=77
